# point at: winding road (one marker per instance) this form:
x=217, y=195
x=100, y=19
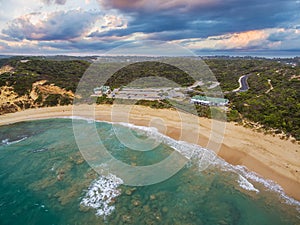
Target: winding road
x=243, y=84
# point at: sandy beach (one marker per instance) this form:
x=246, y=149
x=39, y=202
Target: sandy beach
x=270, y=157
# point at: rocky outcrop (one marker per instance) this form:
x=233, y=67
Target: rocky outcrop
x=6, y=69
x=41, y=94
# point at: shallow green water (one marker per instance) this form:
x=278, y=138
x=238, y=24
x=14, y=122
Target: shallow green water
x=43, y=179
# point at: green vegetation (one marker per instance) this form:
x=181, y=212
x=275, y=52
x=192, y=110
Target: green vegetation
x=134, y=71
x=104, y=100
x=52, y=100
x=228, y=71
x=162, y=104
x=277, y=109
x=55, y=99
x=65, y=74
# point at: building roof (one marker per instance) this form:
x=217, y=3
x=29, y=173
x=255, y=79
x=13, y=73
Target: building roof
x=210, y=99
x=102, y=88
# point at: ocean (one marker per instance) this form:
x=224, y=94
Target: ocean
x=44, y=179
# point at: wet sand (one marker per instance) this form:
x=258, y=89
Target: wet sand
x=270, y=157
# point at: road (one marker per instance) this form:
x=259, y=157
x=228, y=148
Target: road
x=243, y=84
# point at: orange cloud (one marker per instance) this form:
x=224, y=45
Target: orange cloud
x=245, y=39
x=230, y=41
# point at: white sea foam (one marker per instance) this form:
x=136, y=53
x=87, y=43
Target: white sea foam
x=245, y=184
x=269, y=184
x=7, y=142
x=193, y=151
x=250, y=175
x=78, y=118
x=186, y=149
x=102, y=193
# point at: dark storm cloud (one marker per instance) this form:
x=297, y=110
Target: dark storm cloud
x=202, y=18
x=185, y=21
x=156, y=5
x=83, y=45
x=59, y=26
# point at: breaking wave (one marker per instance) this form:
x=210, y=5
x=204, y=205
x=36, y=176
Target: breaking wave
x=205, y=157
x=102, y=193
x=8, y=142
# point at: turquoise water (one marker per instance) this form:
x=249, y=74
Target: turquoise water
x=44, y=180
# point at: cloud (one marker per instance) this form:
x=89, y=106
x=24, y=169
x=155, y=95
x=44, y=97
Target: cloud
x=287, y=39
x=201, y=18
x=3, y=46
x=107, y=23
x=59, y=47
x=197, y=24
x=147, y=24
x=284, y=34
x=59, y=25
x=266, y=39
x=26, y=47
x=243, y=40
x=157, y=5
x=83, y=45
x=58, y=2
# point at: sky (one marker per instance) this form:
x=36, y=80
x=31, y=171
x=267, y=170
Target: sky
x=96, y=26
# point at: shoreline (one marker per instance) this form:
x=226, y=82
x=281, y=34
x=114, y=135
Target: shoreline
x=270, y=157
